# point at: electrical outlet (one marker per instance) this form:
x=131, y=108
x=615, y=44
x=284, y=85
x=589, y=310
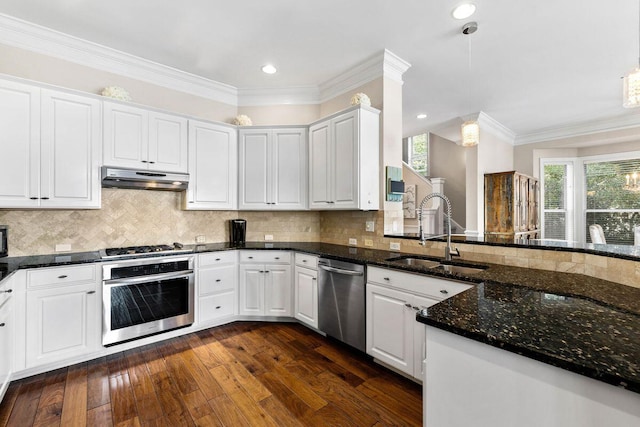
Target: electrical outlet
x=268, y=237
x=368, y=242
x=353, y=241
x=394, y=246
x=369, y=226
x=65, y=247
x=201, y=239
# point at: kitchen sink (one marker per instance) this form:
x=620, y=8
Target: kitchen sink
x=437, y=265
x=417, y=262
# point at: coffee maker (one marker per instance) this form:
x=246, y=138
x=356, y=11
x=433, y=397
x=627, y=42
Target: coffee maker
x=238, y=231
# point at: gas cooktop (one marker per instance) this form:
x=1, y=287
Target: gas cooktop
x=177, y=248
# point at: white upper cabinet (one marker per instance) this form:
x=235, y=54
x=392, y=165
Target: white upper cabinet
x=213, y=167
x=51, y=148
x=344, y=161
x=71, y=151
x=273, y=169
x=143, y=139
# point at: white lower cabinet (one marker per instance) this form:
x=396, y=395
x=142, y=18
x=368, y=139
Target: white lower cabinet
x=265, y=288
x=63, y=314
x=6, y=345
x=217, y=281
x=306, y=290
x=393, y=299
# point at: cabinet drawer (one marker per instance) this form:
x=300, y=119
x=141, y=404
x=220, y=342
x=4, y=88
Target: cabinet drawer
x=217, y=258
x=217, y=279
x=419, y=284
x=217, y=306
x=306, y=260
x=60, y=276
x=268, y=257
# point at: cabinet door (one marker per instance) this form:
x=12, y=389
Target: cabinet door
x=126, y=136
x=277, y=290
x=255, y=169
x=306, y=296
x=20, y=145
x=213, y=166
x=289, y=169
x=320, y=166
x=390, y=320
x=345, y=157
x=6, y=345
x=419, y=336
x=71, y=151
x=167, y=143
x=251, y=293
x=63, y=323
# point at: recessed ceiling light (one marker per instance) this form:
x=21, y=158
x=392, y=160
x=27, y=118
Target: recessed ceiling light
x=269, y=69
x=421, y=116
x=464, y=10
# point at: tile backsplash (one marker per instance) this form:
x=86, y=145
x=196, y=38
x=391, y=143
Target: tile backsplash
x=135, y=217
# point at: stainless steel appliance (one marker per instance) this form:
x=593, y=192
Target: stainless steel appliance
x=145, y=296
x=114, y=253
x=341, y=301
x=4, y=249
x=143, y=179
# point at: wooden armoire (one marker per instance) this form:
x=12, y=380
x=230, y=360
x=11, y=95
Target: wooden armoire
x=511, y=207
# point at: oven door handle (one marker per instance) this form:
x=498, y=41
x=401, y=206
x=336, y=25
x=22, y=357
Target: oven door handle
x=150, y=278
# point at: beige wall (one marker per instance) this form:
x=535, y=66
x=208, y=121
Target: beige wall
x=526, y=161
x=448, y=161
x=46, y=69
x=373, y=89
x=282, y=114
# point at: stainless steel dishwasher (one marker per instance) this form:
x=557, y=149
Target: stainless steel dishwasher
x=341, y=301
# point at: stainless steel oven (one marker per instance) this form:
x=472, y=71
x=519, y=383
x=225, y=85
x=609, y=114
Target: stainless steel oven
x=146, y=296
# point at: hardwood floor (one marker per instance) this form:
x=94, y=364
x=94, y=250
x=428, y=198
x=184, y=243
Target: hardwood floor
x=242, y=374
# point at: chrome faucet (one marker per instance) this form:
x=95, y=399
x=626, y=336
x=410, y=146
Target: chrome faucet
x=448, y=251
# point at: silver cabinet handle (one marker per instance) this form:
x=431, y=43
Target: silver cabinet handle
x=143, y=161
x=408, y=305
x=8, y=291
x=217, y=259
x=64, y=276
x=218, y=280
x=444, y=291
x=91, y=292
x=313, y=278
x=304, y=260
x=386, y=278
x=277, y=257
x=250, y=257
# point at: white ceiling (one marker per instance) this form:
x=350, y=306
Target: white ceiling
x=533, y=65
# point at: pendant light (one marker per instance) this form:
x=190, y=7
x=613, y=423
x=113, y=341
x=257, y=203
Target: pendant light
x=470, y=129
x=631, y=82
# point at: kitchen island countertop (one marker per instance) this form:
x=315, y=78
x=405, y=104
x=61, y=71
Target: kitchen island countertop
x=580, y=323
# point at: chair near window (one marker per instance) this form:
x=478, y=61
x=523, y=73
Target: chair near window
x=597, y=235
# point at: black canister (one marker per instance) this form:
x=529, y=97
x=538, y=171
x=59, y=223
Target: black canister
x=238, y=231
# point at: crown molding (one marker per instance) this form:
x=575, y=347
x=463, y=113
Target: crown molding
x=302, y=95
x=383, y=64
x=29, y=36
x=488, y=123
x=393, y=66
x=610, y=124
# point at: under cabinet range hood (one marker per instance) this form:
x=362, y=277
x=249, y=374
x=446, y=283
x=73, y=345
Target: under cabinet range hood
x=143, y=180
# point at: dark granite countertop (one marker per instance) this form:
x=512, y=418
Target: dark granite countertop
x=576, y=322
